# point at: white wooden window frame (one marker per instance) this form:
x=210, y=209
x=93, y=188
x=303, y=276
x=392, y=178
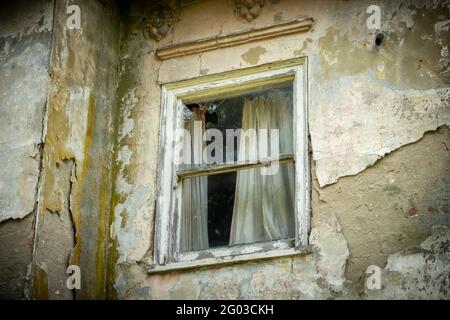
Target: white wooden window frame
x=168, y=207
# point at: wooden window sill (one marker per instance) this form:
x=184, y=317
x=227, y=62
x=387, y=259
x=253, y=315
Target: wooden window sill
x=230, y=259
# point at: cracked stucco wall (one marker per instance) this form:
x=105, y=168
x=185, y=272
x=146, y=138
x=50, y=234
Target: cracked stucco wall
x=392, y=205
x=90, y=103
x=74, y=195
x=57, y=98
x=422, y=273
x=378, y=120
x=25, y=41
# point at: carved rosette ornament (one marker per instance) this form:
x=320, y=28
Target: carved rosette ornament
x=158, y=22
x=248, y=9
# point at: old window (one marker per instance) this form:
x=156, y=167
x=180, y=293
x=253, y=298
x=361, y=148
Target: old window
x=233, y=172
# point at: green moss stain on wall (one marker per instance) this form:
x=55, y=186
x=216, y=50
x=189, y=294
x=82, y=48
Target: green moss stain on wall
x=82, y=96
x=40, y=283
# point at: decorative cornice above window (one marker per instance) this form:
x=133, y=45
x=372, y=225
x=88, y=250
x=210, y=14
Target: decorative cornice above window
x=248, y=9
x=240, y=37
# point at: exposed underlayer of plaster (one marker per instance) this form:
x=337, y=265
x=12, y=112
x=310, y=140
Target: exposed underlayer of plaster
x=74, y=197
x=422, y=273
x=368, y=122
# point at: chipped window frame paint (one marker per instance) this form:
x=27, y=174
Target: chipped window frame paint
x=168, y=205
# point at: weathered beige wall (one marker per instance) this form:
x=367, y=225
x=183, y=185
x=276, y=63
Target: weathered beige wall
x=367, y=107
x=80, y=135
x=25, y=41
x=58, y=108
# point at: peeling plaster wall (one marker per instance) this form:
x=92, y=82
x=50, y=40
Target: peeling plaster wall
x=74, y=202
x=423, y=273
x=369, y=107
x=25, y=41
x=57, y=108
x=80, y=130
x=392, y=205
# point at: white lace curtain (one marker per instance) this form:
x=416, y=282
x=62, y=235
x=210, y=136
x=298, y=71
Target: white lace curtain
x=263, y=206
x=194, y=219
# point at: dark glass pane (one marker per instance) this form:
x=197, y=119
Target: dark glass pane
x=221, y=189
